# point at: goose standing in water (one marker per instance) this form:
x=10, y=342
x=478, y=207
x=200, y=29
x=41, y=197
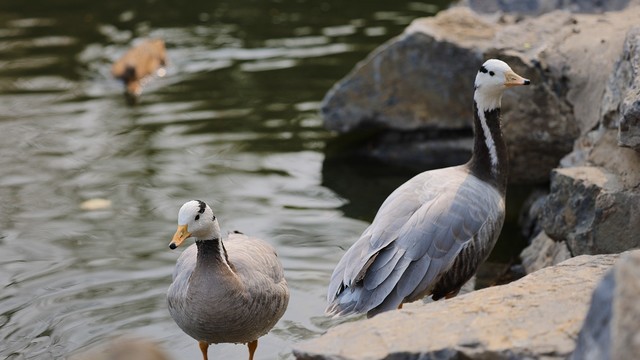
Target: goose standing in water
x=231, y=291
x=431, y=234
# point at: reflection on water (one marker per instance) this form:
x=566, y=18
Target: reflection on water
x=234, y=123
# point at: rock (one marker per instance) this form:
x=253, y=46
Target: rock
x=536, y=317
x=594, y=201
x=538, y=7
x=543, y=252
x=95, y=204
x=589, y=208
x=629, y=134
x=410, y=81
x=611, y=329
x=416, y=150
x=621, y=104
x=528, y=219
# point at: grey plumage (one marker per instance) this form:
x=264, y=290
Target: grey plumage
x=431, y=234
x=230, y=291
x=417, y=233
x=217, y=305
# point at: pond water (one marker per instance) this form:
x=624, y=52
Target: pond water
x=234, y=122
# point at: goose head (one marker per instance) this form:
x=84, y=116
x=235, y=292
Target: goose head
x=195, y=219
x=493, y=78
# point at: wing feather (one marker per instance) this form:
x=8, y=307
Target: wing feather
x=415, y=237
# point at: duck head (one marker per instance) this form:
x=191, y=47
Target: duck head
x=195, y=219
x=493, y=78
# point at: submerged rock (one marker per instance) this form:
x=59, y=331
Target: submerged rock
x=124, y=349
x=611, y=329
x=536, y=317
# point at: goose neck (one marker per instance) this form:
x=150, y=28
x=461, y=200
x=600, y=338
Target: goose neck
x=489, y=161
x=212, y=252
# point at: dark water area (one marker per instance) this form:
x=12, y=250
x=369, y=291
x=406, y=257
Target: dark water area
x=234, y=122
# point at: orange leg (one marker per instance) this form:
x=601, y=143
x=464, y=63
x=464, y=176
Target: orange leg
x=400, y=306
x=253, y=345
x=203, y=347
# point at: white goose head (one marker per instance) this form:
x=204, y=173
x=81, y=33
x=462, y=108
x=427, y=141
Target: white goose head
x=195, y=219
x=493, y=78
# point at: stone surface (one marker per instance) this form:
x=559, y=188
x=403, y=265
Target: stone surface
x=604, y=151
x=611, y=329
x=625, y=323
x=528, y=219
x=589, y=208
x=537, y=7
x=410, y=82
x=543, y=252
x=621, y=106
x=536, y=317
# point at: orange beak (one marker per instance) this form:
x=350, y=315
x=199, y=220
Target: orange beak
x=181, y=235
x=512, y=79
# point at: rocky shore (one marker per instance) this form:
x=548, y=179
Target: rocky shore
x=575, y=131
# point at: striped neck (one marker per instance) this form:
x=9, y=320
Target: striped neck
x=489, y=161
x=212, y=252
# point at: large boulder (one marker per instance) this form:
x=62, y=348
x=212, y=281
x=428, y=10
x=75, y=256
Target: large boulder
x=410, y=82
x=422, y=81
x=601, y=181
x=536, y=317
x=611, y=329
x=594, y=200
x=590, y=209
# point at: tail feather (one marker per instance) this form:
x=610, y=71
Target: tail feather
x=345, y=302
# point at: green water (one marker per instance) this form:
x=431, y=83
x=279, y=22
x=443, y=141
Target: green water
x=233, y=123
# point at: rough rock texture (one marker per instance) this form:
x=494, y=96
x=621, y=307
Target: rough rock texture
x=411, y=83
x=590, y=209
x=594, y=201
x=529, y=218
x=536, y=317
x=543, y=252
x=611, y=329
x=537, y=7
x=621, y=106
x=378, y=92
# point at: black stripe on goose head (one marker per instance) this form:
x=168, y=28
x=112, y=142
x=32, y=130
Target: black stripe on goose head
x=202, y=205
x=483, y=69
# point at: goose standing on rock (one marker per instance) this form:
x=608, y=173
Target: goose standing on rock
x=431, y=234
x=231, y=291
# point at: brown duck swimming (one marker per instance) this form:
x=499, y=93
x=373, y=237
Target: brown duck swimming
x=141, y=61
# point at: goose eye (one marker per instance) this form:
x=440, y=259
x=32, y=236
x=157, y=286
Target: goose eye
x=214, y=217
x=491, y=73
x=197, y=217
